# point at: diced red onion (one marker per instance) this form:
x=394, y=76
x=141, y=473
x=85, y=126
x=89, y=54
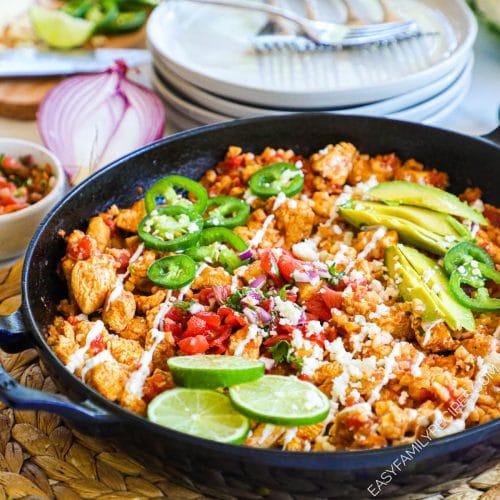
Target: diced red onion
x=257, y=282
x=221, y=293
x=322, y=271
x=89, y=121
x=263, y=315
x=250, y=299
x=302, y=318
x=251, y=315
x=246, y=254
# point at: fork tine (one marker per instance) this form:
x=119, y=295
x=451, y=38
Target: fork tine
x=376, y=28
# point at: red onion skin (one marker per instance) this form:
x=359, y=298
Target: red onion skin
x=91, y=120
x=257, y=282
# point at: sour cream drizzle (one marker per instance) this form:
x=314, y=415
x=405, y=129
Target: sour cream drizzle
x=259, y=235
x=120, y=279
x=99, y=358
x=77, y=359
x=390, y=364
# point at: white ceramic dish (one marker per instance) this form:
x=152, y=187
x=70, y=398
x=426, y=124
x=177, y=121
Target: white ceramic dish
x=236, y=109
x=210, y=48
x=421, y=111
x=17, y=228
x=440, y=115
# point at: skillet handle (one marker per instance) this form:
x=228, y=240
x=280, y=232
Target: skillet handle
x=85, y=415
x=13, y=333
x=493, y=136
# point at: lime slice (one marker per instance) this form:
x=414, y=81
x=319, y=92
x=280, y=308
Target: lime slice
x=209, y=371
x=203, y=413
x=60, y=30
x=281, y=400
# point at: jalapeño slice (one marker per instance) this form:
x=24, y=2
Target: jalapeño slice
x=171, y=228
x=165, y=192
x=174, y=272
x=277, y=178
x=226, y=211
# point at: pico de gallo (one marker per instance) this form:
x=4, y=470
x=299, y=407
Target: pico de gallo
x=22, y=182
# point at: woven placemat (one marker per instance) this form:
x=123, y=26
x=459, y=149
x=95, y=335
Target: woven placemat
x=40, y=457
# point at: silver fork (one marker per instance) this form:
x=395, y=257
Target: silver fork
x=326, y=33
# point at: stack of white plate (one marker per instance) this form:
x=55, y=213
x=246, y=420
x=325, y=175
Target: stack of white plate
x=206, y=70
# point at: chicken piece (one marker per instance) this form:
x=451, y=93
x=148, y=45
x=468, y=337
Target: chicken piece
x=252, y=271
x=304, y=436
x=120, y=312
x=265, y=436
x=164, y=350
x=132, y=403
x=436, y=337
x=108, y=378
x=306, y=291
x=100, y=232
x=380, y=166
x=296, y=223
x=396, y=320
x=157, y=383
x=211, y=276
x=137, y=330
x=129, y=218
x=138, y=278
x=364, y=238
x=323, y=203
x=241, y=345
x=145, y=303
x=471, y=194
x=125, y=351
x=412, y=171
x=393, y=420
x=62, y=339
x=91, y=280
x=336, y=164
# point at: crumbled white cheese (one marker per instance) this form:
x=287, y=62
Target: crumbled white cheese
x=313, y=327
x=280, y=199
x=290, y=313
x=306, y=250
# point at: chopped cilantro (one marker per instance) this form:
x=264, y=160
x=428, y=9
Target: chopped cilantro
x=282, y=352
x=335, y=276
x=283, y=289
x=182, y=304
x=233, y=301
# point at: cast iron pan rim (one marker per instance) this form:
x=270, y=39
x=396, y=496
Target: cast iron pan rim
x=303, y=460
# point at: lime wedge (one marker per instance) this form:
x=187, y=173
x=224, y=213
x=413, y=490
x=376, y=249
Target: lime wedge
x=203, y=413
x=281, y=400
x=60, y=30
x=209, y=371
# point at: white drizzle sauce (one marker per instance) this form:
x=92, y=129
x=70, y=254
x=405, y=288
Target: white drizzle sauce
x=370, y=246
x=266, y=432
x=259, y=235
x=77, y=359
x=415, y=366
x=99, y=358
x=280, y=199
x=427, y=327
x=390, y=364
x=253, y=331
x=118, y=288
x=289, y=435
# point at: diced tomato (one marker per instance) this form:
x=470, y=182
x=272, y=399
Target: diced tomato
x=211, y=319
x=270, y=266
x=194, y=345
x=354, y=422
x=97, y=345
x=122, y=257
x=82, y=250
x=318, y=338
x=321, y=304
x=10, y=163
x=304, y=377
x=111, y=224
x=176, y=314
x=205, y=295
x=231, y=318
x=287, y=264
x=195, y=326
x=174, y=327
x=270, y=341
x=156, y=384
x=217, y=344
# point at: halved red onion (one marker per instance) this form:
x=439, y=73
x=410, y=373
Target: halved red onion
x=246, y=254
x=257, y=282
x=88, y=121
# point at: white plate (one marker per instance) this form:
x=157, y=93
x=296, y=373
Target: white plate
x=239, y=110
x=210, y=48
x=418, y=112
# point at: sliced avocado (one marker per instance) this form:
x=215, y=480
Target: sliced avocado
x=411, y=193
x=421, y=277
x=408, y=231
x=437, y=222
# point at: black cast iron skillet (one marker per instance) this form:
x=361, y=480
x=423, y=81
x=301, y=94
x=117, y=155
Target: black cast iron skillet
x=236, y=470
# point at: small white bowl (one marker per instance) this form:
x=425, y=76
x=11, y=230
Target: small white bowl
x=17, y=228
